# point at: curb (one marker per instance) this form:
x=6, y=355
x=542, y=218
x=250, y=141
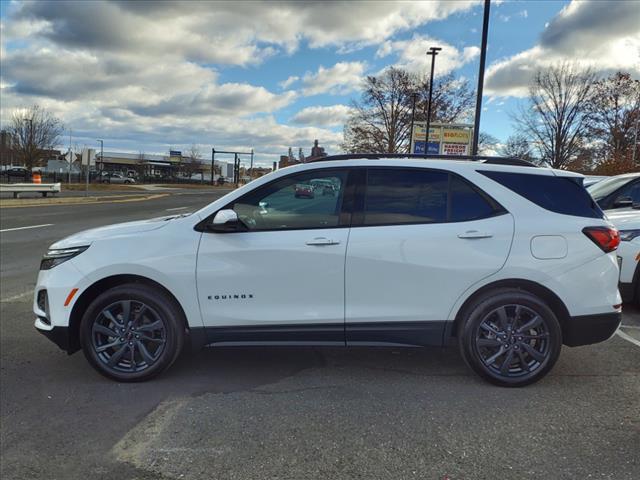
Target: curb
x=28, y=202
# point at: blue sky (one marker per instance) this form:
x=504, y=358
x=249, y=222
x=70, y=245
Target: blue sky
x=147, y=76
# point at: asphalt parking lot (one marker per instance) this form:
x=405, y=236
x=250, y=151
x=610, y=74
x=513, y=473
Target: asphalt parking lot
x=294, y=413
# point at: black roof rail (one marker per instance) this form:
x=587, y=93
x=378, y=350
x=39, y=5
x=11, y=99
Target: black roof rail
x=474, y=158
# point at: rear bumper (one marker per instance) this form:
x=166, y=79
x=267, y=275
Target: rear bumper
x=588, y=329
x=627, y=291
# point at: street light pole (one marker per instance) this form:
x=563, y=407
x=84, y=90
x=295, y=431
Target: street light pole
x=433, y=51
x=483, y=57
x=414, y=95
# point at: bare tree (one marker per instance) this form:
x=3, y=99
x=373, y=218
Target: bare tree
x=487, y=143
x=34, y=131
x=614, y=110
x=381, y=119
x=193, y=162
x=517, y=146
x=556, y=116
x=453, y=99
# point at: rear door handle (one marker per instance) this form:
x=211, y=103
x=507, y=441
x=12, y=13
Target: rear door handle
x=320, y=241
x=475, y=234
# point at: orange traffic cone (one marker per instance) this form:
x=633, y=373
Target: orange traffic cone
x=37, y=178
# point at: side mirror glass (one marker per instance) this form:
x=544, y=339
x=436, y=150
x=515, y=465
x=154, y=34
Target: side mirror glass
x=623, y=201
x=225, y=221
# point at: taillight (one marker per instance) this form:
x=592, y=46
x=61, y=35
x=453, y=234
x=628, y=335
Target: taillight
x=606, y=238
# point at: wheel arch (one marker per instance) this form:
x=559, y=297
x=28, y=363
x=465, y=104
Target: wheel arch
x=550, y=298
x=102, y=285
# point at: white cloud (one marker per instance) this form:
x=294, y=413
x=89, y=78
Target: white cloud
x=289, y=81
x=412, y=55
x=332, y=115
x=601, y=35
x=145, y=74
x=342, y=78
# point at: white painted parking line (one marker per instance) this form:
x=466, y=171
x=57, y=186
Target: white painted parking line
x=633, y=327
x=26, y=228
x=17, y=297
x=628, y=338
x=177, y=208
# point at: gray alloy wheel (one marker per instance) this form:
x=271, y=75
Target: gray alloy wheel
x=132, y=332
x=510, y=337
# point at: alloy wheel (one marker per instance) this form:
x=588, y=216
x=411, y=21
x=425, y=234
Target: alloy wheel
x=128, y=336
x=513, y=341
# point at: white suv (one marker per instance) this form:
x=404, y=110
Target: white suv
x=508, y=261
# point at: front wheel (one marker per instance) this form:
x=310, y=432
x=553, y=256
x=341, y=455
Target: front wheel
x=132, y=332
x=510, y=338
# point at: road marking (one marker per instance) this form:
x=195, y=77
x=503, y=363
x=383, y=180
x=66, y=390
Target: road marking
x=635, y=327
x=26, y=228
x=628, y=338
x=177, y=208
x=17, y=297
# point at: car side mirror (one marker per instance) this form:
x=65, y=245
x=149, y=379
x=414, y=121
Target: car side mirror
x=623, y=201
x=225, y=221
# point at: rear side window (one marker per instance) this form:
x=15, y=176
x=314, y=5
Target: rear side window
x=396, y=196
x=468, y=204
x=556, y=194
x=408, y=196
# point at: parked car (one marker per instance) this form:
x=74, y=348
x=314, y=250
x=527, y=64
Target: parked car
x=592, y=179
x=510, y=262
x=17, y=172
x=621, y=191
x=304, y=190
x=117, y=178
x=627, y=221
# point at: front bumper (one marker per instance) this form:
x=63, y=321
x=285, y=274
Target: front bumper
x=58, y=335
x=588, y=329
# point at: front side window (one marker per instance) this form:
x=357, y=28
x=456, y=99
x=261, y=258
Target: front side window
x=302, y=201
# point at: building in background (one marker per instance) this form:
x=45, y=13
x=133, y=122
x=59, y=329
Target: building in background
x=317, y=152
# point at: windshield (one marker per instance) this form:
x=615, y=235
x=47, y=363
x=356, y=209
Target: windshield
x=605, y=187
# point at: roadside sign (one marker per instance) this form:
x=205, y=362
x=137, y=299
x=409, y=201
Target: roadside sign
x=444, y=139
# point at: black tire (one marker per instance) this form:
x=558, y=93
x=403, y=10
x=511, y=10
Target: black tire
x=516, y=323
x=153, y=321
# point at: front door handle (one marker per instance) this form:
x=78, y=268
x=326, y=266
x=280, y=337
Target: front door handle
x=320, y=241
x=475, y=234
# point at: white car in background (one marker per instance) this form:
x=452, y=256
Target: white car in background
x=627, y=221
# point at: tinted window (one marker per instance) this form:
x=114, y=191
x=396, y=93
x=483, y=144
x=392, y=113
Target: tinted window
x=608, y=186
x=632, y=191
x=557, y=194
x=308, y=200
x=396, y=196
x=469, y=204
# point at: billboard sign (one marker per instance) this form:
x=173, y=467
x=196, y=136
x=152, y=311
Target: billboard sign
x=444, y=139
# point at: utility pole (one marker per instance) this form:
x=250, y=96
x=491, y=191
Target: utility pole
x=70, y=160
x=251, y=168
x=101, y=154
x=433, y=51
x=483, y=58
x=213, y=165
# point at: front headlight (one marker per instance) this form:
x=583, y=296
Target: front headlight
x=628, y=235
x=56, y=256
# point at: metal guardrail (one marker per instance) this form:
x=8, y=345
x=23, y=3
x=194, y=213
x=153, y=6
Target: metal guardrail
x=17, y=188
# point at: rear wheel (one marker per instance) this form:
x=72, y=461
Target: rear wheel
x=132, y=332
x=510, y=337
